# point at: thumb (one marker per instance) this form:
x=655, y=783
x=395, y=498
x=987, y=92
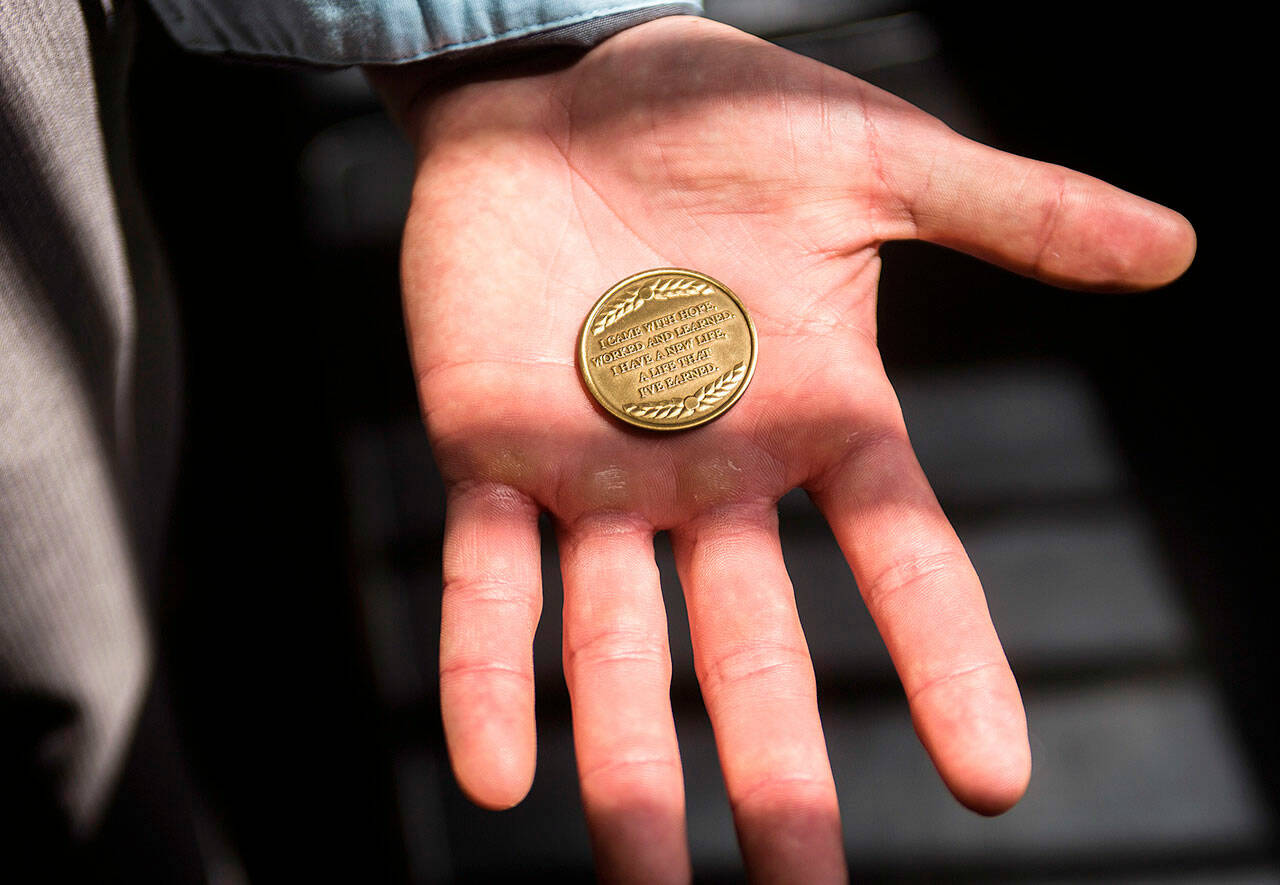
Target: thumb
x=1045, y=221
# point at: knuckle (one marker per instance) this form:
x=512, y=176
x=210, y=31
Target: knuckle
x=786, y=665
x=783, y=789
x=605, y=647
x=635, y=773
x=967, y=672
x=462, y=667
x=493, y=496
x=495, y=598
x=911, y=573
x=1056, y=188
x=868, y=452
x=737, y=532
x=486, y=588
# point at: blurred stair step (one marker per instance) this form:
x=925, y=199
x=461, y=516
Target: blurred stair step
x=1138, y=774
x=1012, y=434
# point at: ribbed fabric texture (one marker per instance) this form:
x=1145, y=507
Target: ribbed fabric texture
x=73, y=645
x=74, y=457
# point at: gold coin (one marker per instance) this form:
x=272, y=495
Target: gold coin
x=667, y=349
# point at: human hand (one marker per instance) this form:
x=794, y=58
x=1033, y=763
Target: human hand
x=686, y=143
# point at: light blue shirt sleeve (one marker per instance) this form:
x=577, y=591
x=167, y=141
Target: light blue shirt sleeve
x=347, y=32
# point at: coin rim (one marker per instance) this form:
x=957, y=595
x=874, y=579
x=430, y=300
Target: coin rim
x=640, y=422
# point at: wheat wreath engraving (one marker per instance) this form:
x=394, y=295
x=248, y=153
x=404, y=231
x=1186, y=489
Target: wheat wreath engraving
x=703, y=400
x=658, y=290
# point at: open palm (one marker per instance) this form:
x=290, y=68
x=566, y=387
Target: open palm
x=689, y=144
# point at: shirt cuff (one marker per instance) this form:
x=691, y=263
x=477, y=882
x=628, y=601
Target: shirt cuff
x=350, y=32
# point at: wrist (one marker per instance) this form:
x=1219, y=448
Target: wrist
x=410, y=91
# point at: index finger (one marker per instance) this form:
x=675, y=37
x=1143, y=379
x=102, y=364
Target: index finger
x=928, y=605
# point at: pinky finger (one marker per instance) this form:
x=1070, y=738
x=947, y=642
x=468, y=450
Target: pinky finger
x=491, y=603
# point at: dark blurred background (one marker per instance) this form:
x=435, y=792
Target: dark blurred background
x=1096, y=453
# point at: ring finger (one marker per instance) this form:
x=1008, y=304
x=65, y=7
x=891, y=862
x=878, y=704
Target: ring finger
x=618, y=667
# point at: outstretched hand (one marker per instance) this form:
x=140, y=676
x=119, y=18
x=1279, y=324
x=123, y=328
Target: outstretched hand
x=689, y=144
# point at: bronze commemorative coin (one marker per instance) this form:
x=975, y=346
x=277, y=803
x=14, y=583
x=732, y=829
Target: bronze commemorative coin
x=667, y=349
